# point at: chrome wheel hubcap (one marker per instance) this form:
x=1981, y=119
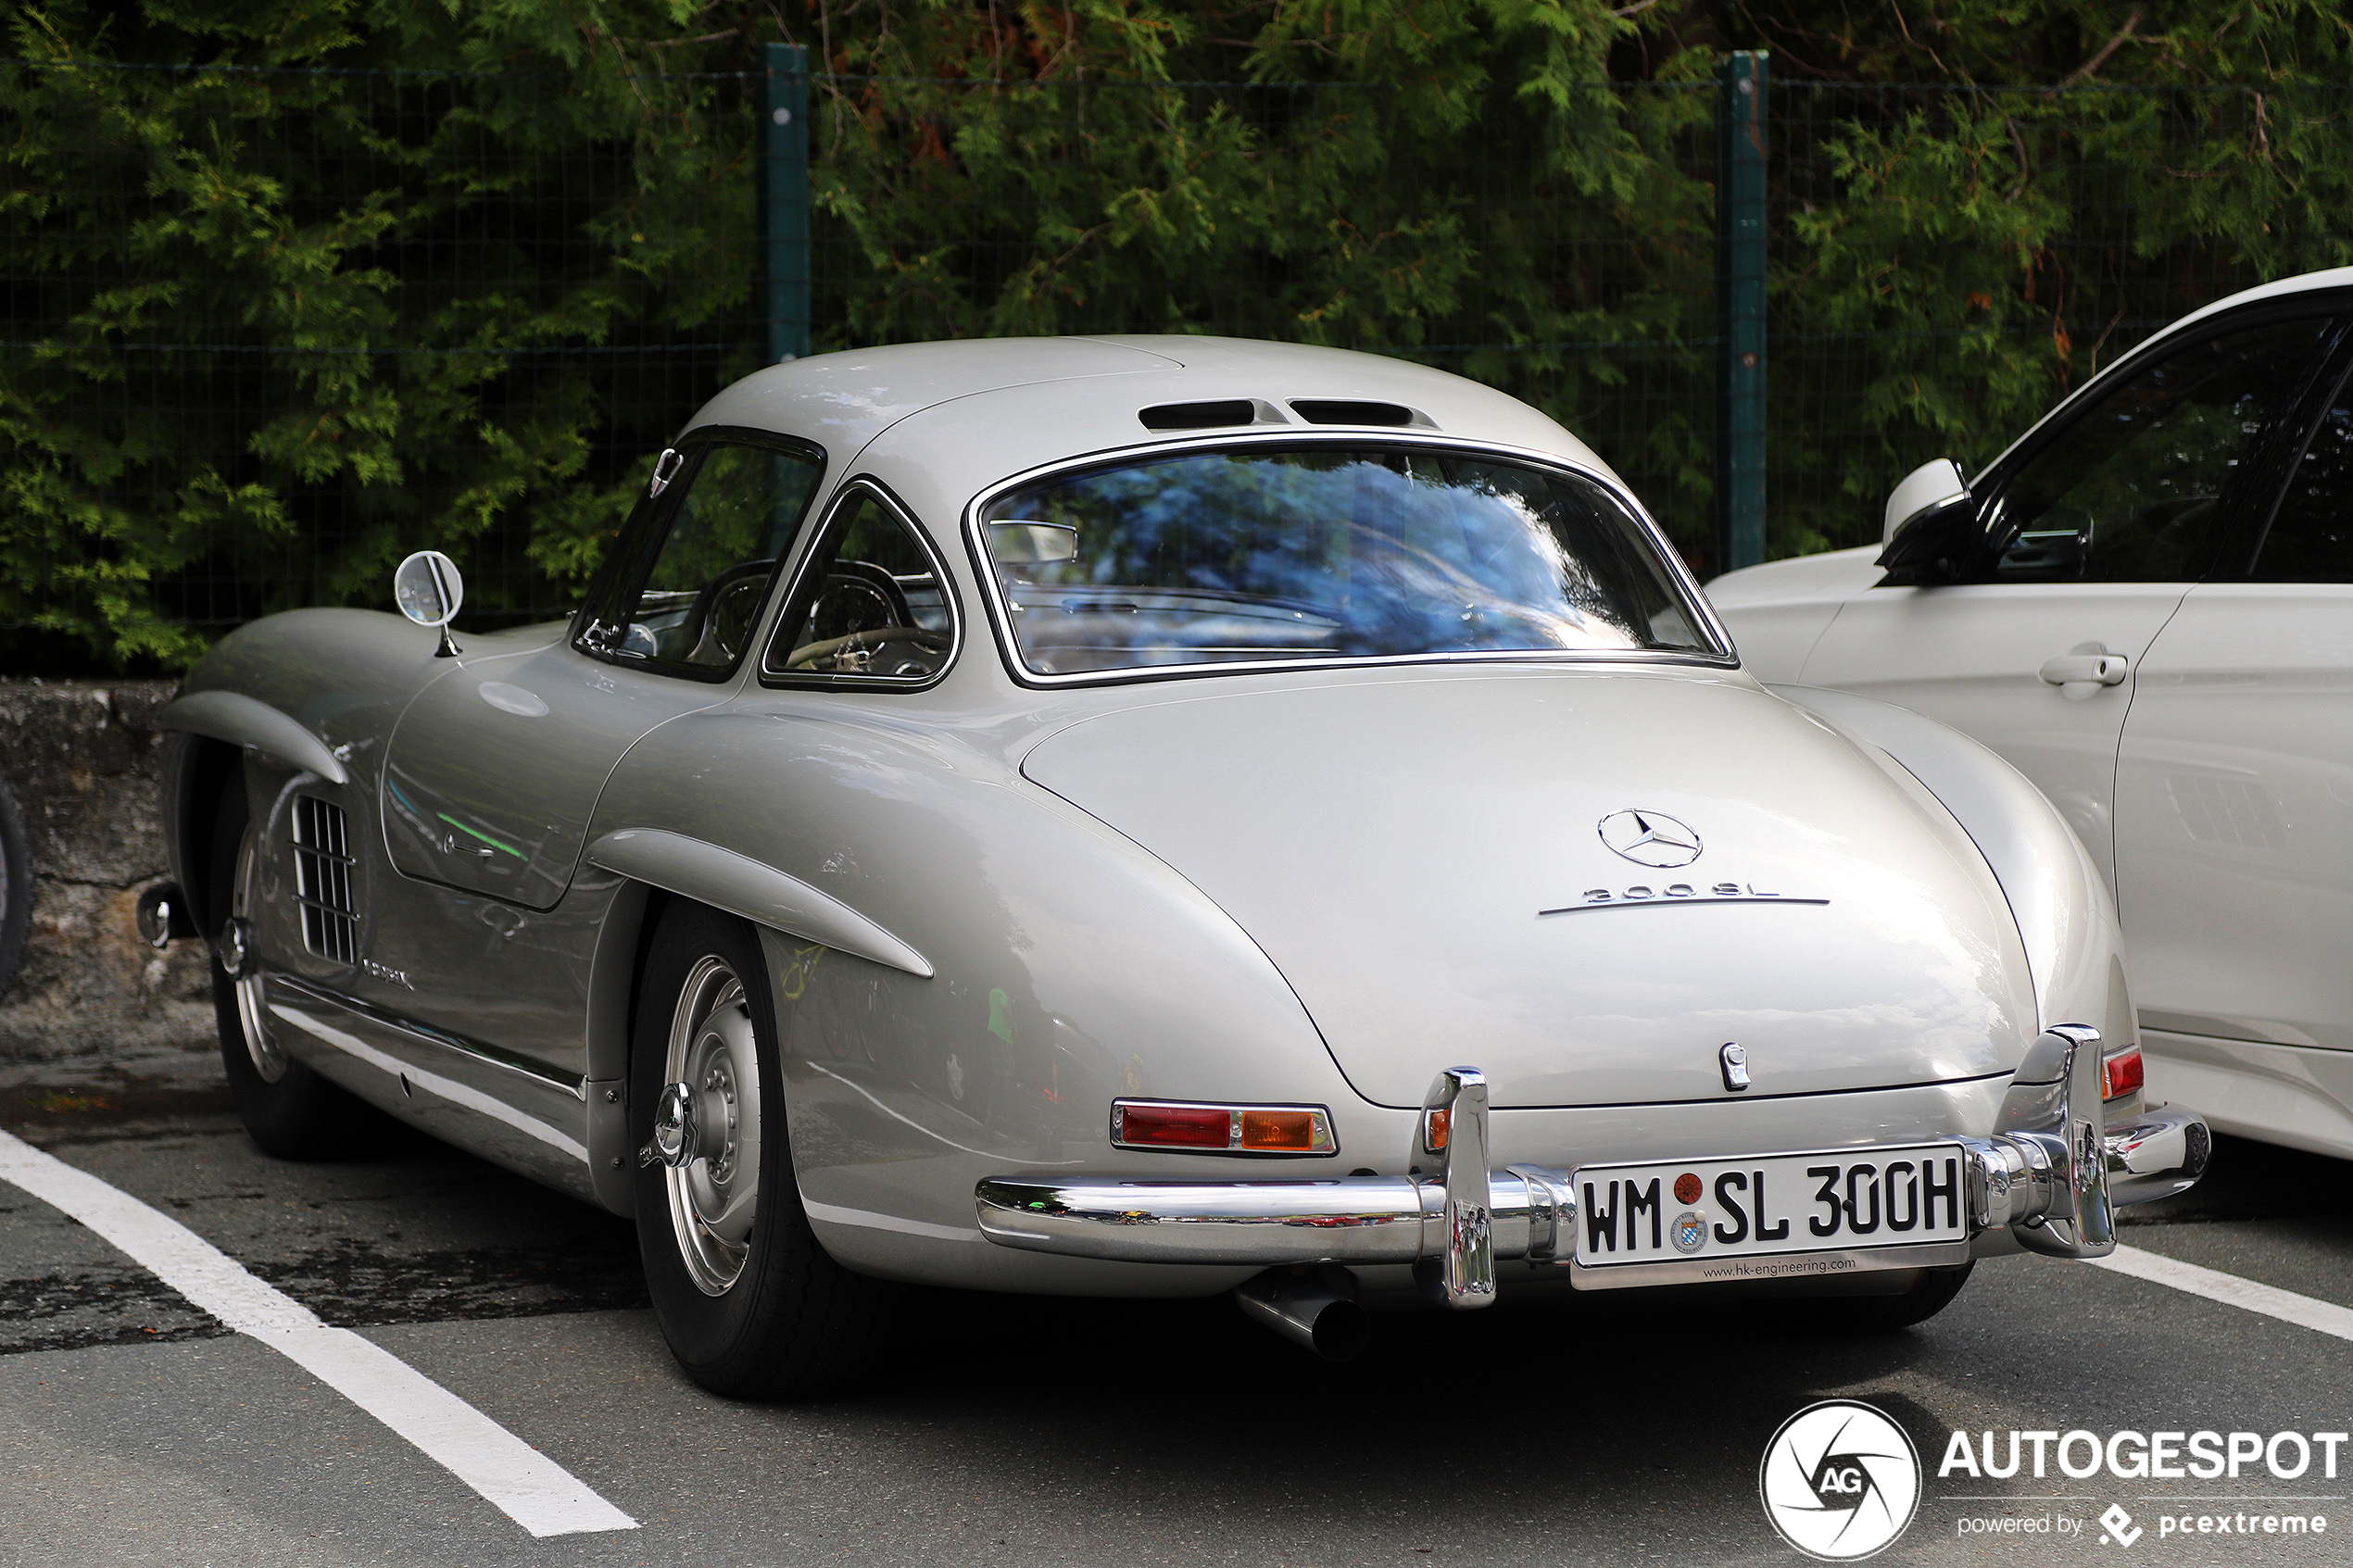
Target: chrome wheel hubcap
x=706, y=1126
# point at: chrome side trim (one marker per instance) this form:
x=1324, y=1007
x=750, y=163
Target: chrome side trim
x=242, y=721
x=530, y=1122
x=539, y=1073
x=761, y=893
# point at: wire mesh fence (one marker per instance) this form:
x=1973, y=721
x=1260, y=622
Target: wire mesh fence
x=271, y=330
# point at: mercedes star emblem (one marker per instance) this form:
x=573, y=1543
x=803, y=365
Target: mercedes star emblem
x=1648, y=838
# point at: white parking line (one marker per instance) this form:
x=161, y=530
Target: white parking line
x=530, y=1488
x=2305, y=1311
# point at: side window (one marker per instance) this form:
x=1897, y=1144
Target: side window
x=690, y=598
x=872, y=603
x=2311, y=535
x=2135, y=489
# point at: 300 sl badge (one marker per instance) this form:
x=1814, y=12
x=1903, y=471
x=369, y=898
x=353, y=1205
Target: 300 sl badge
x=1675, y=893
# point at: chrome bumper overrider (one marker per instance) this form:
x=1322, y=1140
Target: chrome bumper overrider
x=2051, y=1171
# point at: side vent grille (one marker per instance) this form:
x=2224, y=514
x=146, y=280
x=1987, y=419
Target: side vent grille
x=322, y=881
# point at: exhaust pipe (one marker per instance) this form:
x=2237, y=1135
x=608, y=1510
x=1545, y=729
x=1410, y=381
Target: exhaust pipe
x=1316, y=1306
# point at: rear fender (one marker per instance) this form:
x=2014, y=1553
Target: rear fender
x=2074, y=945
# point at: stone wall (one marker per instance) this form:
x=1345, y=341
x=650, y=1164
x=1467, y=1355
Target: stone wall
x=86, y=763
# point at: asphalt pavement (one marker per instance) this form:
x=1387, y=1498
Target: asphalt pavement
x=136, y=1428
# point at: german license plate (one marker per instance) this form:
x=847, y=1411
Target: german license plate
x=1750, y=1206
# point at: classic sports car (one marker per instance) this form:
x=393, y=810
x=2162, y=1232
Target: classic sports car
x=1162, y=816
x=2147, y=605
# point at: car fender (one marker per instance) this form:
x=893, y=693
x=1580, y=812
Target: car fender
x=2074, y=945
x=1068, y=967
x=242, y=721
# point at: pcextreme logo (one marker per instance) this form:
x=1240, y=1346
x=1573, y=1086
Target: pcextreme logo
x=1839, y=1480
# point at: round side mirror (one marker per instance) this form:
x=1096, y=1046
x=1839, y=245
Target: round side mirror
x=428, y=588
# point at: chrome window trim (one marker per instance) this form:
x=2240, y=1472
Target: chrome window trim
x=1701, y=613
x=844, y=493
x=695, y=446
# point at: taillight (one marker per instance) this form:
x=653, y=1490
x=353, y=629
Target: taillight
x=1435, y=1124
x=1171, y=1126
x=1239, y=1129
x=2121, y=1074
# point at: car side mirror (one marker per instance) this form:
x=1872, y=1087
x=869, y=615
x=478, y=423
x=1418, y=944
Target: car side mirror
x=428, y=587
x=1931, y=484
x=1930, y=526
x=1033, y=544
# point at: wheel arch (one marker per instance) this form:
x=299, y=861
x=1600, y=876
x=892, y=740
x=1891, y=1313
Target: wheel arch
x=197, y=769
x=616, y=978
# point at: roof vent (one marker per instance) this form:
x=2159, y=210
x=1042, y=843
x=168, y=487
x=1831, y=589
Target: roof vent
x=1336, y=411
x=1200, y=416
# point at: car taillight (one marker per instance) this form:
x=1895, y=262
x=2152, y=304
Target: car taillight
x=1435, y=1126
x=1171, y=1126
x=2121, y=1074
x=1239, y=1129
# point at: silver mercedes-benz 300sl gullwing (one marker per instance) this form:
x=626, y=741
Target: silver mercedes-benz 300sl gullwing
x=1156, y=817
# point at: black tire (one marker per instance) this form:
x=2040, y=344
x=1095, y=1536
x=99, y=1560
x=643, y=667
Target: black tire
x=1889, y=1314
x=299, y=1114
x=16, y=887
x=789, y=1320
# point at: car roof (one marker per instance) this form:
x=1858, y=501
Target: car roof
x=2305, y=282
x=1022, y=401
x=2126, y=364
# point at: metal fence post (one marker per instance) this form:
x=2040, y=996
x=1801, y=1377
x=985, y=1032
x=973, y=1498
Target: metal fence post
x=1740, y=310
x=783, y=296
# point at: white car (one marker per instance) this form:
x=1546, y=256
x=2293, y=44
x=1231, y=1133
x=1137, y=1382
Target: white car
x=2146, y=604
x=1157, y=817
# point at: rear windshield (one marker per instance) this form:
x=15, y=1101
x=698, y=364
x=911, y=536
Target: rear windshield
x=1271, y=554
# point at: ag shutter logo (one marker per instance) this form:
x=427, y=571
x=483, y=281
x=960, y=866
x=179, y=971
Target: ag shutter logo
x=1839, y=1481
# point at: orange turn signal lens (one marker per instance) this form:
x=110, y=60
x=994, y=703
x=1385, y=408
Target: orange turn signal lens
x=1236, y=1129
x=2120, y=1073
x=1435, y=1125
x=1291, y=1132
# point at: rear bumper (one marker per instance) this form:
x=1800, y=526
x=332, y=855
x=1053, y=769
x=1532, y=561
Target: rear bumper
x=2051, y=1174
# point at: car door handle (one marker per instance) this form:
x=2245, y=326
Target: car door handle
x=2079, y=676
x=449, y=846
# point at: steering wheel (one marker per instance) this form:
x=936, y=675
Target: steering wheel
x=858, y=596
x=723, y=612
x=867, y=653
x=860, y=612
